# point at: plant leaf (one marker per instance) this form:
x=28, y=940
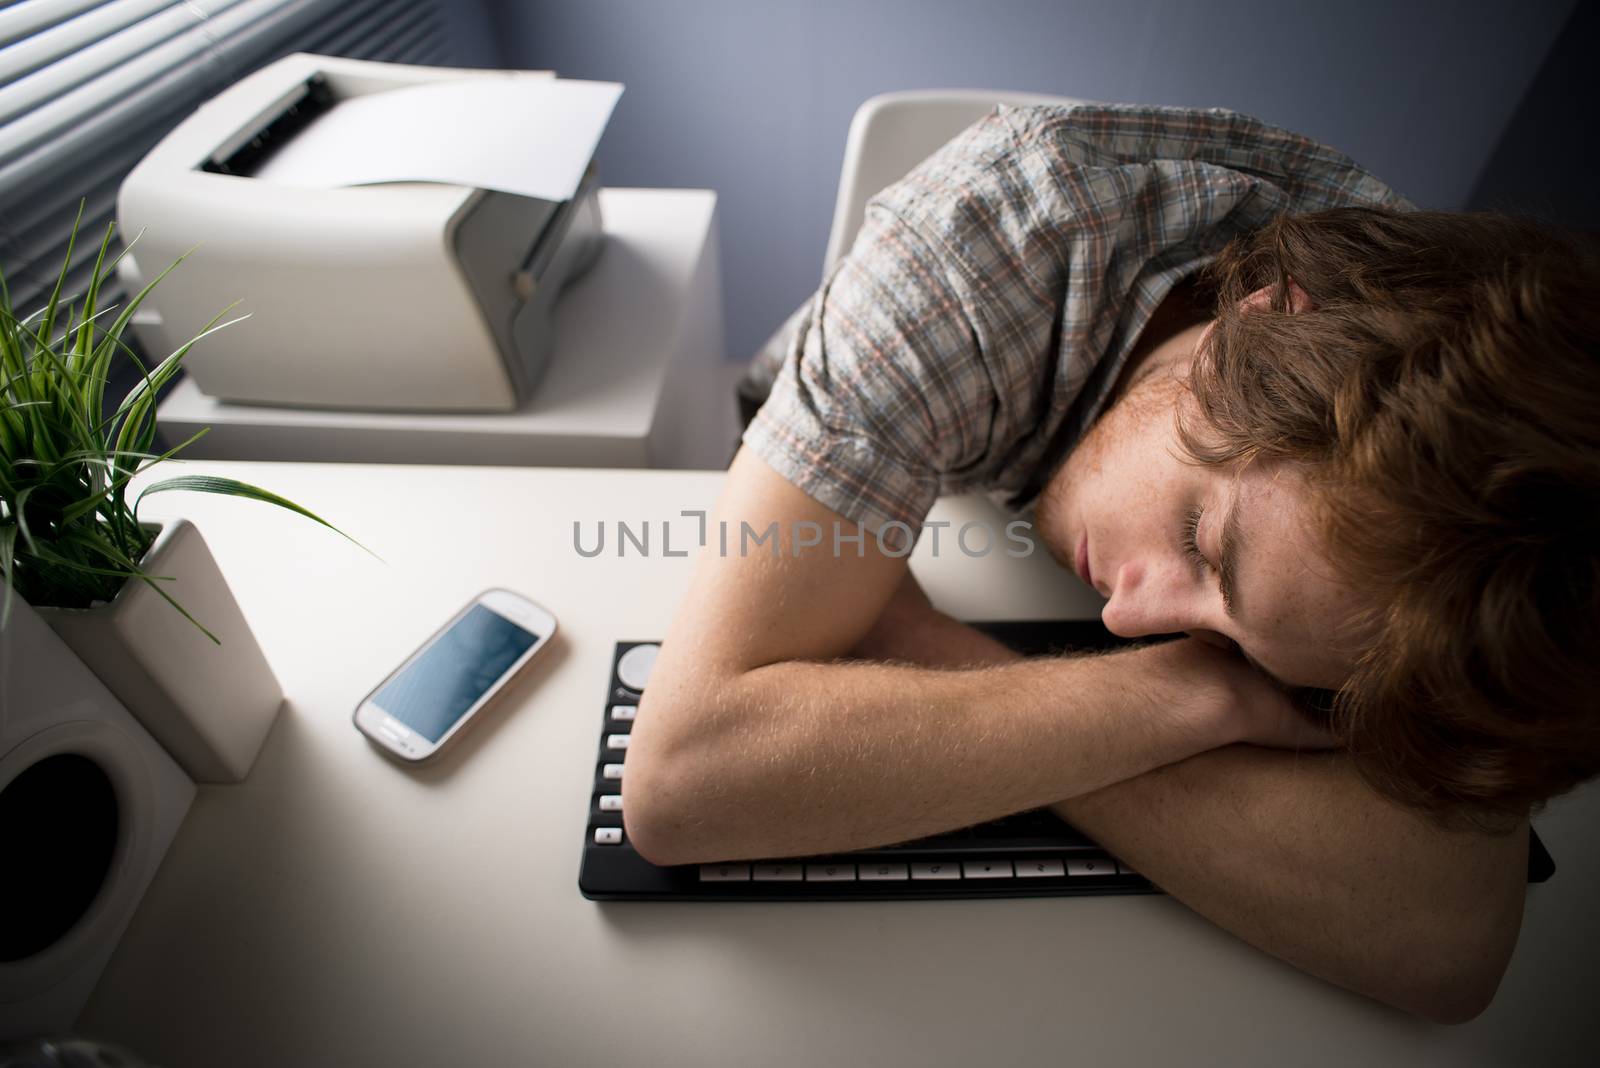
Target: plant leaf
x=48, y=326
x=89, y=504
x=231, y=487
x=8, y=551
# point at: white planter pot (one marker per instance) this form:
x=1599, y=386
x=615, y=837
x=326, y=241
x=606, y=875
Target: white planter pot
x=57, y=721
x=210, y=705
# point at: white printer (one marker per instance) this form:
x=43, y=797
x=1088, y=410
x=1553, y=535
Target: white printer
x=402, y=296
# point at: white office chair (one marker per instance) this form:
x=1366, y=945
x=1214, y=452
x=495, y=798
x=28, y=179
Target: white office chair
x=892, y=133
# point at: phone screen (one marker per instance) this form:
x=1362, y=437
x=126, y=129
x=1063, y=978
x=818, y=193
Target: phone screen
x=438, y=687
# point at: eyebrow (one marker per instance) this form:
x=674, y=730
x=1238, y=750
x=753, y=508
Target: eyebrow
x=1232, y=543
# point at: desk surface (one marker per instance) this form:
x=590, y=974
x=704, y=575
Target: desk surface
x=337, y=909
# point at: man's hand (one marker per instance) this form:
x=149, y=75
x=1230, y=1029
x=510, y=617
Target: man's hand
x=1267, y=715
x=911, y=630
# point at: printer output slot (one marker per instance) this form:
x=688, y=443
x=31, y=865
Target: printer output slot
x=244, y=155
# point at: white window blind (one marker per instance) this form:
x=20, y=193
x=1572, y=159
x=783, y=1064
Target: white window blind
x=88, y=86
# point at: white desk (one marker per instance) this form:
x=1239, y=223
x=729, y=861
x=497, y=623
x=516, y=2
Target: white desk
x=638, y=376
x=335, y=909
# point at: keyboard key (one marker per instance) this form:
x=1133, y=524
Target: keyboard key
x=608, y=836
x=776, y=873
x=616, y=741
x=1123, y=869
x=884, y=872
x=624, y=713
x=610, y=802
x=830, y=873
x=940, y=870
x=612, y=771
x=1091, y=867
x=724, y=873
x=1040, y=869
x=986, y=869
x=633, y=669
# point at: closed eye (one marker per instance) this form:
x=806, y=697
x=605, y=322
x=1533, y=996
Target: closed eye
x=1191, y=540
x=1191, y=549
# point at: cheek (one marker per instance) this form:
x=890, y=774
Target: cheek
x=1121, y=480
x=1118, y=450
x=1304, y=634
x=1315, y=664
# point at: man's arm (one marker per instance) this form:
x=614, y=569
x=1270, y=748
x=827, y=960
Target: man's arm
x=1292, y=853
x=754, y=740
x=1297, y=856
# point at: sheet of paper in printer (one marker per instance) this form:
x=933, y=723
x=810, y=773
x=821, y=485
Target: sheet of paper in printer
x=533, y=137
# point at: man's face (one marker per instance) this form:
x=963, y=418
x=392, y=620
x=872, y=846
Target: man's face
x=1156, y=534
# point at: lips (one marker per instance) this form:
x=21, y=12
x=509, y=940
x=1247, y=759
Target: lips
x=1081, y=561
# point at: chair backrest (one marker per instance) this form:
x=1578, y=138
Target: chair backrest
x=894, y=132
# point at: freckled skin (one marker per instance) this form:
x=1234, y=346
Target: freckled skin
x=1130, y=487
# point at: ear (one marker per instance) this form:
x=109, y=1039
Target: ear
x=1261, y=299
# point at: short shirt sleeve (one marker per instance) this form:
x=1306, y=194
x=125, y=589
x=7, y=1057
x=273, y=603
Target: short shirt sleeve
x=884, y=393
x=977, y=326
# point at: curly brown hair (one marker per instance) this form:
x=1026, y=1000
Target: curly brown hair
x=1443, y=389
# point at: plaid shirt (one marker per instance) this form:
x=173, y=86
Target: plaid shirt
x=992, y=296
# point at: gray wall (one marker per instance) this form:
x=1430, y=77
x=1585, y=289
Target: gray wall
x=1544, y=164
x=472, y=33
x=753, y=98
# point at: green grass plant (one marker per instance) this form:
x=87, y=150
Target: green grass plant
x=70, y=535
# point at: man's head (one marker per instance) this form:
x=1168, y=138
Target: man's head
x=1230, y=553
x=1400, y=413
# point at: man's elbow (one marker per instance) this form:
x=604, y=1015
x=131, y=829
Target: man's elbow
x=649, y=822
x=664, y=820
x=1455, y=999
x=1467, y=969
x=662, y=807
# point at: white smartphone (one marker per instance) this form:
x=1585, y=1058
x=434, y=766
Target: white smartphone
x=428, y=700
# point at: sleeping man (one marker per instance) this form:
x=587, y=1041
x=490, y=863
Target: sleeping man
x=1252, y=398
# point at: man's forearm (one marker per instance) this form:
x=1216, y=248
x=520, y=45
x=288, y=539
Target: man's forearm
x=795, y=758
x=1297, y=856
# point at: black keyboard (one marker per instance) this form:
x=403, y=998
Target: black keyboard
x=1029, y=854
x=1025, y=855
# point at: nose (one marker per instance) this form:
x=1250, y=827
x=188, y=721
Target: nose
x=1148, y=599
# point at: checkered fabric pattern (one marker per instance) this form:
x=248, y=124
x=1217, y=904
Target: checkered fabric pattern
x=992, y=296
